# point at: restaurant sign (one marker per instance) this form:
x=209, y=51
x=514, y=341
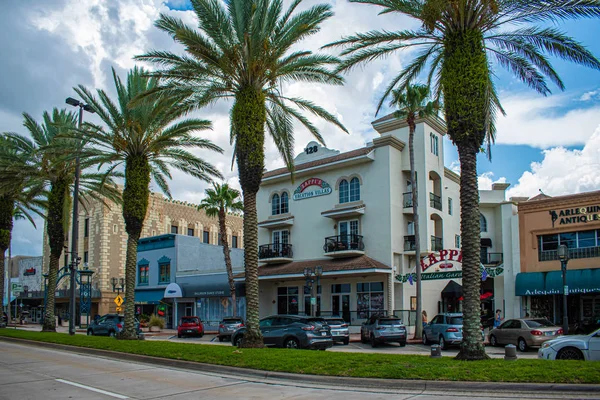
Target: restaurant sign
x=575, y=215
x=322, y=189
x=447, y=264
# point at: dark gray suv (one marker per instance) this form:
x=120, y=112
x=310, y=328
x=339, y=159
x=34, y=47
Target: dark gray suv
x=290, y=331
x=227, y=326
x=110, y=325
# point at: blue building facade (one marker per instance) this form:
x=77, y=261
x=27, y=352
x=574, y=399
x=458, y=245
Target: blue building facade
x=179, y=276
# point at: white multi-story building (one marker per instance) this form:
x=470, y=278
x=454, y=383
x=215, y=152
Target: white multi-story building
x=351, y=215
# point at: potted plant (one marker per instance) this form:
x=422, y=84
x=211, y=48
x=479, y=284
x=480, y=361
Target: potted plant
x=156, y=323
x=144, y=318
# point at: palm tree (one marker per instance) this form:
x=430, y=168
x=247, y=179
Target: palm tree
x=53, y=166
x=219, y=201
x=147, y=139
x=412, y=104
x=459, y=40
x=246, y=50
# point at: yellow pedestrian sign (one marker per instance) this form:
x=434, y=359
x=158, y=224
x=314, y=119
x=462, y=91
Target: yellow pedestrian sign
x=119, y=309
x=118, y=301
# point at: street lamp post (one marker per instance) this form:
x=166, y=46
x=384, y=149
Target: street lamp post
x=563, y=256
x=118, y=281
x=75, y=231
x=308, y=274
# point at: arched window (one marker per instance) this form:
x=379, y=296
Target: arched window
x=354, y=189
x=482, y=223
x=275, y=205
x=344, y=198
x=284, y=203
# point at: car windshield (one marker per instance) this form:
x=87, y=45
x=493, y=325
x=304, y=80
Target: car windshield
x=539, y=323
x=454, y=320
x=189, y=320
x=336, y=321
x=389, y=322
x=232, y=321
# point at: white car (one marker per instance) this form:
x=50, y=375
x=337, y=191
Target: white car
x=577, y=347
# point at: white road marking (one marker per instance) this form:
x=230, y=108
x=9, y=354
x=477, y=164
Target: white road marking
x=93, y=389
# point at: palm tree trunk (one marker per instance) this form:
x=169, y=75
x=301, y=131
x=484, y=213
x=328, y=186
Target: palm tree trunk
x=135, y=205
x=56, y=238
x=7, y=207
x=248, y=120
x=413, y=180
x=227, y=256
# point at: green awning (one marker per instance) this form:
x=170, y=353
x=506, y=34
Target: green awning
x=579, y=281
x=152, y=296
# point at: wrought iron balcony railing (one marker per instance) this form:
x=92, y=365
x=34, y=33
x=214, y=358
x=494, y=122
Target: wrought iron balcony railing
x=492, y=258
x=275, y=250
x=343, y=242
x=437, y=243
x=409, y=243
x=435, y=201
x=581, y=252
x=407, y=199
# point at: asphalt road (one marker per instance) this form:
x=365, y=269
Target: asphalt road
x=29, y=372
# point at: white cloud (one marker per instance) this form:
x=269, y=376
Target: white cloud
x=587, y=96
x=485, y=180
x=563, y=171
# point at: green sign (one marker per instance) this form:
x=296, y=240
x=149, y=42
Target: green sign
x=16, y=287
x=485, y=272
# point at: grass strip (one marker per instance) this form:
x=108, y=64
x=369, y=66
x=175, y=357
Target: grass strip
x=388, y=366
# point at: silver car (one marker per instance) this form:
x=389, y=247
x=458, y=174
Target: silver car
x=229, y=325
x=379, y=329
x=339, y=330
x=576, y=347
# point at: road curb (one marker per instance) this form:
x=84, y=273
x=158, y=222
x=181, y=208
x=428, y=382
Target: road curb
x=326, y=380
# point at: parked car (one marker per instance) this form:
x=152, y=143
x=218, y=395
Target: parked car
x=339, y=330
x=381, y=329
x=445, y=329
x=524, y=333
x=576, y=347
x=227, y=326
x=587, y=325
x=190, y=326
x=290, y=331
x=110, y=325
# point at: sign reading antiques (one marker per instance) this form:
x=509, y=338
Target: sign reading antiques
x=575, y=215
x=447, y=264
x=323, y=189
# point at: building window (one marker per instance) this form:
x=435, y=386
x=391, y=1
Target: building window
x=143, y=274
x=287, y=300
x=234, y=242
x=275, y=205
x=190, y=231
x=174, y=229
x=164, y=273
x=281, y=237
x=354, y=189
x=369, y=298
x=344, y=191
x=482, y=223
x=85, y=256
x=582, y=244
x=285, y=203
x=205, y=237
x=86, y=228
x=434, y=144
x=115, y=228
x=449, y=206
x=457, y=241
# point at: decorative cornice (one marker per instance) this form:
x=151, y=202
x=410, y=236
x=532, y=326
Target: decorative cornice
x=453, y=176
x=389, y=141
x=390, y=123
x=561, y=201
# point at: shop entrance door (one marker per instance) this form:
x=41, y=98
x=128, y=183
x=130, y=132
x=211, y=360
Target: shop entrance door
x=340, y=305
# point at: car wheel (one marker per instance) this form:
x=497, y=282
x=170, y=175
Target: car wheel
x=237, y=342
x=425, y=341
x=292, y=343
x=363, y=339
x=493, y=341
x=402, y=344
x=220, y=338
x=179, y=336
x=90, y=332
x=443, y=344
x=373, y=341
x=201, y=334
x=346, y=341
x=111, y=334
x=569, y=353
x=522, y=345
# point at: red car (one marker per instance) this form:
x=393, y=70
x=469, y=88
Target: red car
x=190, y=326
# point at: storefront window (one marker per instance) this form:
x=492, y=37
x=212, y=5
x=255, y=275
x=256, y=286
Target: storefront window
x=369, y=298
x=287, y=300
x=548, y=244
x=143, y=274
x=586, y=239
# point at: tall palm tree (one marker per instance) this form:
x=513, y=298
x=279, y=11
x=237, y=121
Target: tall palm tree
x=147, y=138
x=245, y=50
x=412, y=104
x=219, y=201
x=20, y=196
x=459, y=41
x=53, y=166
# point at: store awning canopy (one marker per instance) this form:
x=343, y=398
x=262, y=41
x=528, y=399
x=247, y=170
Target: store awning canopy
x=579, y=281
x=173, y=291
x=452, y=289
x=149, y=296
x=215, y=285
x=486, y=242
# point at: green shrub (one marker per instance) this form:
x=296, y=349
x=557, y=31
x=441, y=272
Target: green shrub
x=157, y=321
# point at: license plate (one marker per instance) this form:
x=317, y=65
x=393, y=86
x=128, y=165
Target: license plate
x=188, y=331
x=323, y=333
x=549, y=333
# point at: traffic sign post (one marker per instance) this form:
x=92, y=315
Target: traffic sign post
x=119, y=301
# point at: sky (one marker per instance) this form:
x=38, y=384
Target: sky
x=47, y=47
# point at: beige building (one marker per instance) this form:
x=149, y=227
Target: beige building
x=102, y=240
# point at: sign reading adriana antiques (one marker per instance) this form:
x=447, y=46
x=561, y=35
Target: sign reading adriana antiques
x=575, y=215
x=447, y=264
x=322, y=189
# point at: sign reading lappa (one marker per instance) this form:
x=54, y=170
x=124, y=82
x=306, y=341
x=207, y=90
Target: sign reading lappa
x=445, y=260
x=323, y=189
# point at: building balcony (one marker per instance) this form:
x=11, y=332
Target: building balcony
x=278, y=221
x=435, y=201
x=349, y=245
x=343, y=211
x=581, y=252
x=492, y=258
x=437, y=243
x=275, y=253
x=409, y=243
x=407, y=200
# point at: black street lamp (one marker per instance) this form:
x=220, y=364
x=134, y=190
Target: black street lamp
x=75, y=231
x=85, y=298
x=308, y=274
x=118, y=281
x=563, y=256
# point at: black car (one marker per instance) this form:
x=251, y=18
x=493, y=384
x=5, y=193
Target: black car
x=587, y=325
x=110, y=325
x=290, y=331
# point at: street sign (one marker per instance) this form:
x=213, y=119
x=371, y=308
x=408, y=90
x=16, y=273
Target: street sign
x=118, y=300
x=16, y=287
x=119, y=308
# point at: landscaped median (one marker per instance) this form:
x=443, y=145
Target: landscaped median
x=387, y=366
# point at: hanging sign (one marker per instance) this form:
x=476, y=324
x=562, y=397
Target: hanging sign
x=161, y=310
x=322, y=189
x=29, y=272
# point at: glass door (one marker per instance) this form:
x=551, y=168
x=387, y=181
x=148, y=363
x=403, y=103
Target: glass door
x=340, y=306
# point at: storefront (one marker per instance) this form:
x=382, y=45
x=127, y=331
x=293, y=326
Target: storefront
x=545, y=224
